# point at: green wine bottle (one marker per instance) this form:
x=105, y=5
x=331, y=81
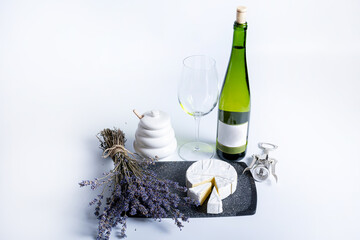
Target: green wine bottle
x=234, y=102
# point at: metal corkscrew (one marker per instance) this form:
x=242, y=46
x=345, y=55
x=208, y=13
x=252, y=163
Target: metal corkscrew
x=262, y=165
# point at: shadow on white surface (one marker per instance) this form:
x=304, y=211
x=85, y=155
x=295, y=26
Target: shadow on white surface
x=162, y=228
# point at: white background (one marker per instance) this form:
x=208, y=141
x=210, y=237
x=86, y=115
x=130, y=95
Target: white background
x=71, y=68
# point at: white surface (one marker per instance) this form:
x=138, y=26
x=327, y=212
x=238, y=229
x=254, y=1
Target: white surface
x=70, y=68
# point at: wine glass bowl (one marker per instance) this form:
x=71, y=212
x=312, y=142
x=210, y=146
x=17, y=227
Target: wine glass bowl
x=198, y=89
x=198, y=95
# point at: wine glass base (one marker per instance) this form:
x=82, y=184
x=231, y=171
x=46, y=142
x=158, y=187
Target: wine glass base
x=195, y=151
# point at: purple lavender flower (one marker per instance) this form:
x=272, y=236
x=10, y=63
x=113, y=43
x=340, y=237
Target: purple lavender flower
x=134, y=190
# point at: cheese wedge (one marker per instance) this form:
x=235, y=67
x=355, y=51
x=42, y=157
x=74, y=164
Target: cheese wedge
x=200, y=193
x=221, y=174
x=214, y=205
x=198, y=180
x=224, y=186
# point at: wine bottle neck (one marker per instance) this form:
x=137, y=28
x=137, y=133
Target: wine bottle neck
x=239, y=40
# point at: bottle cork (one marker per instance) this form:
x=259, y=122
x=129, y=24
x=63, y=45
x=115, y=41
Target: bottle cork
x=241, y=14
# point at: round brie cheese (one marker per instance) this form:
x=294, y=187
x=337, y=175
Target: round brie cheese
x=221, y=174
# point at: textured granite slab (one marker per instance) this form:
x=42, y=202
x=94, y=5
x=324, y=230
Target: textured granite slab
x=242, y=202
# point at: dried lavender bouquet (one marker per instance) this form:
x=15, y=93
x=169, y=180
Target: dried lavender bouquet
x=133, y=188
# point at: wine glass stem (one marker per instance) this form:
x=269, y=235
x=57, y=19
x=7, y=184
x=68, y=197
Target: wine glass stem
x=197, y=127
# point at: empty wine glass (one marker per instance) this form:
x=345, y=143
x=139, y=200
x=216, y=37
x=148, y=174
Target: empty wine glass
x=198, y=94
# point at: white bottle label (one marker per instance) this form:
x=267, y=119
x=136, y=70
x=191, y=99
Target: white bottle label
x=232, y=135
